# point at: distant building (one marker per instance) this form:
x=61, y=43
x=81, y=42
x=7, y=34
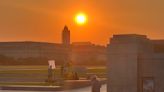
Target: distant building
x=81, y=43
x=66, y=36
x=33, y=50
x=79, y=52
x=83, y=52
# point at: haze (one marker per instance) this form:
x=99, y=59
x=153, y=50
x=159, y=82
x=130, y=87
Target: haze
x=43, y=20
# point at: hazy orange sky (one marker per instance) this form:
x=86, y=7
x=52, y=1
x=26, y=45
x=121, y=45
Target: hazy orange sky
x=43, y=20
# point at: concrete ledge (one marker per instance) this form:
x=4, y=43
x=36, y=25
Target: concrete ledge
x=68, y=85
x=31, y=88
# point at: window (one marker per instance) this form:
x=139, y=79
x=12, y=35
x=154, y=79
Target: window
x=148, y=84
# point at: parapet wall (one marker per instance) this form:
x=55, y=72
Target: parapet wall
x=133, y=66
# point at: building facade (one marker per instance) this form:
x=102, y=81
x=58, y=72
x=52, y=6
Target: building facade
x=66, y=36
x=83, y=52
x=80, y=52
x=135, y=64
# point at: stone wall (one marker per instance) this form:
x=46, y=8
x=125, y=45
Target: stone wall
x=133, y=65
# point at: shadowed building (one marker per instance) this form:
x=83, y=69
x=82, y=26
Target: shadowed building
x=81, y=52
x=66, y=43
x=20, y=50
x=135, y=64
x=66, y=36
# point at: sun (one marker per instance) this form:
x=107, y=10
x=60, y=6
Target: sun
x=81, y=18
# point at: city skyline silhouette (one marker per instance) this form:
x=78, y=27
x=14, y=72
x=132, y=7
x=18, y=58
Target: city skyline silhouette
x=42, y=20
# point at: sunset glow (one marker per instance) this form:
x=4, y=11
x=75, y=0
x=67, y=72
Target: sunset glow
x=80, y=18
x=89, y=20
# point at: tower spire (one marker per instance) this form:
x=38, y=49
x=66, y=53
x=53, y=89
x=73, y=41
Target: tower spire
x=66, y=36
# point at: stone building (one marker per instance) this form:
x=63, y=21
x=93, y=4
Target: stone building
x=66, y=36
x=60, y=52
x=135, y=64
x=33, y=49
x=83, y=52
x=80, y=54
